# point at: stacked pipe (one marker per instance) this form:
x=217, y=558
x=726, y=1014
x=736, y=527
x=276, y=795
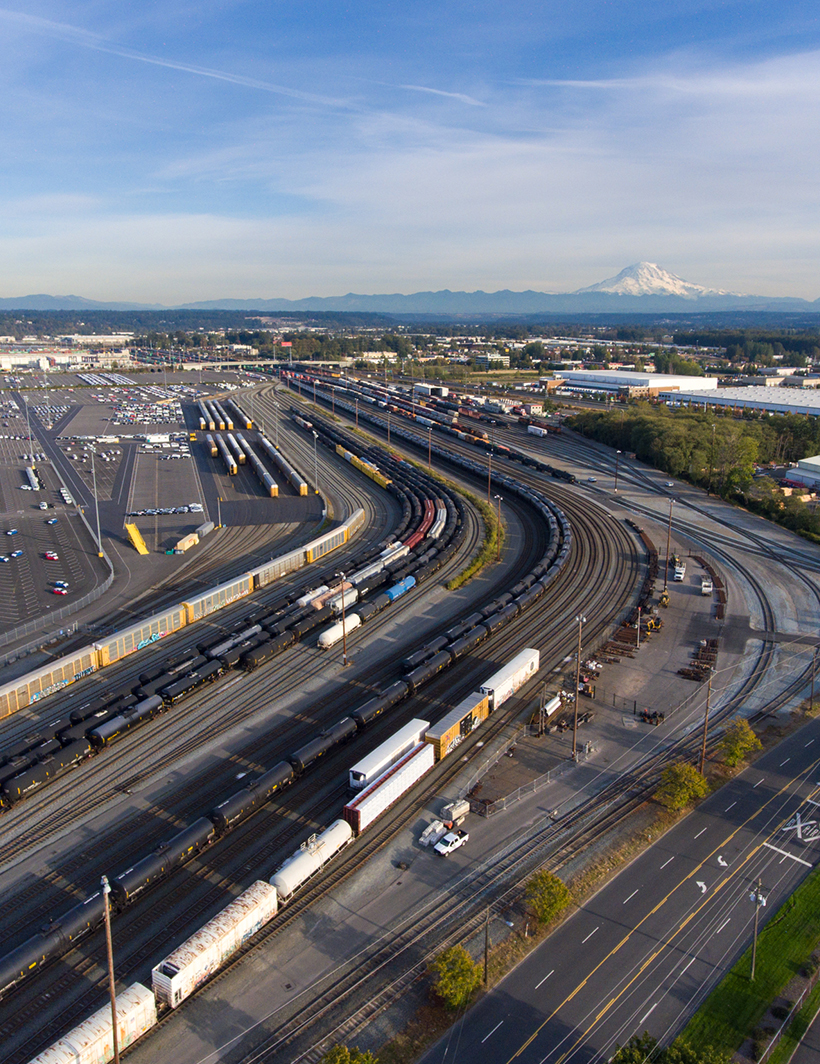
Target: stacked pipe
x=242, y=417
x=237, y=450
x=205, y=417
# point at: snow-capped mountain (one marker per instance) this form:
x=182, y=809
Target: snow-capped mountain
x=648, y=279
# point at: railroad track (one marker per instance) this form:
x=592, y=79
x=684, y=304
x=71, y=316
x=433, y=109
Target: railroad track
x=603, y=559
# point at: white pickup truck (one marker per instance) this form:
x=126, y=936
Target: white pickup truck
x=451, y=841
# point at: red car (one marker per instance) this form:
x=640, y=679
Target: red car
x=58, y=591
x=52, y=556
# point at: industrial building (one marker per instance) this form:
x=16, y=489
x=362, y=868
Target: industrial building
x=782, y=401
x=807, y=472
x=629, y=383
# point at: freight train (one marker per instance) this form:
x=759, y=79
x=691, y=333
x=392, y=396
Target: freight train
x=58, y=674
x=435, y=656
x=188, y=967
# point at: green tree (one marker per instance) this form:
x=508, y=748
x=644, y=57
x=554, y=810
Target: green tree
x=342, y=1055
x=457, y=977
x=637, y=1050
x=680, y=1052
x=642, y=1048
x=738, y=742
x=680, y=785
x=547, y=896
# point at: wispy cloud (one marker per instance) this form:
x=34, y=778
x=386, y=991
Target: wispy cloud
x=74, y=35
x=460, y=96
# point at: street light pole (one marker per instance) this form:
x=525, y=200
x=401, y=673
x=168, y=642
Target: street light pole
x=219, y=511
x=344, y=626
x=357, y=413
x=581, y=619
x=668, y=541
x=96, y=504
x=315, y=464
x=498, y=531
x=112, y=987
x=617, y=457
x=489, y=472
x=430, y=447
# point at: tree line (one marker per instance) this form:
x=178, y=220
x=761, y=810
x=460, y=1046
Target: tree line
x=716, y=452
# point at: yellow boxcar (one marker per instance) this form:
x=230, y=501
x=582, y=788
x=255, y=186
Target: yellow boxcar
x=453, y=728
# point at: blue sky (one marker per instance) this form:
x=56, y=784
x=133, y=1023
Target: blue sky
x=180, y=150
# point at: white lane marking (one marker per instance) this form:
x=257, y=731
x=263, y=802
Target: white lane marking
x=725, y=922
x=787, y=854
x=808, y=743
x=486, y=1036
x=700, y=833
x=589, y=936
x=782, y=763
x=632, y=895
x=649, y=1013
x=665, y=863
x=546, y=977
x=758, y=783
x=689, y=965
x=728, y=807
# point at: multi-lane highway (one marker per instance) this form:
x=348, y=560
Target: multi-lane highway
x=645, y=950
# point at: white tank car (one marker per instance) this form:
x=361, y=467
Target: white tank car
x=310, y=858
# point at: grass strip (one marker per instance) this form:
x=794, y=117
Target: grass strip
x=733, y=1010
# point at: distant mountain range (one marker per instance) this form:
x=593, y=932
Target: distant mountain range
x=641, y=288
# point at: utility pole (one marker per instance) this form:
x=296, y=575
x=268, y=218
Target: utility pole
x=357, y=413
x=813, y=669
x=498, y=531
x=430, y=447
x=617, y=457
x=581, y=619
x=219, y=511
x=705, y=725
x=638, y=644
x=668, y=543
x=112, y=987
x=315, y=463
x=757, y=897
x=388, y=426
x=489, y=471
x=711, y=461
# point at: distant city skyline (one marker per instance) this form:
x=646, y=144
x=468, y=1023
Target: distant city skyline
x=237, y=149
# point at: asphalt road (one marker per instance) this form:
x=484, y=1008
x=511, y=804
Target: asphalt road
x=645, y=950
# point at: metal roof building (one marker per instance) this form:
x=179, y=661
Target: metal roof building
x=632, y=382
x=780, y=401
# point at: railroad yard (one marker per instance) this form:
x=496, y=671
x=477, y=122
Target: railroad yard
x=584, y=546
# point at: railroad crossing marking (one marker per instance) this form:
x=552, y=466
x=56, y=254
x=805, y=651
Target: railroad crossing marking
x=800, y=827
x=786, y=853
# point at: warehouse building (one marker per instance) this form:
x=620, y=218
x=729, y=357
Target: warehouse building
x=627, y=383
x=780, y=401
x=807, y=472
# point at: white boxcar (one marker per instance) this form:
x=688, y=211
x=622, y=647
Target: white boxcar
x=332, y=635
x=389, y=787
x=276, y=567
x=310, y=857
x=188, y=967
x=369, y=768
x=536, y=430
x=507, y=680
x=91, y=1042
x=218, y=597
